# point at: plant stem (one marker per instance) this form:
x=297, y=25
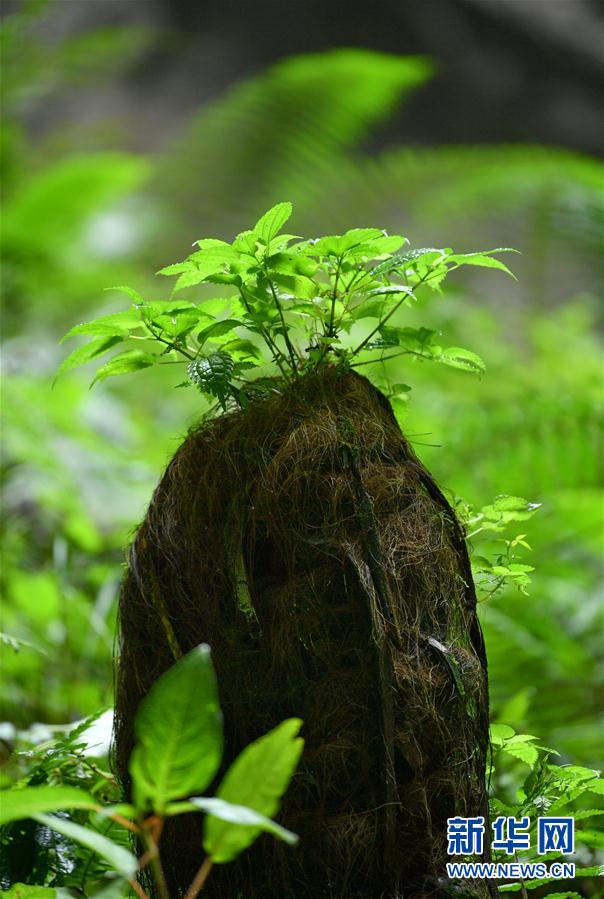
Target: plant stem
x=167, y=343
x=138, y=889
x=288, y=343
x=154, y=862
x=200, y=878
x=334, y=296
x=384, y=358
x=277, y=354
x=383, y=321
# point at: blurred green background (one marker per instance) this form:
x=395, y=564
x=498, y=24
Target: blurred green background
x=118, y=152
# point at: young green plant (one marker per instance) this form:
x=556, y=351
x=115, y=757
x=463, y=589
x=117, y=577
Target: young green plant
x=296, y=305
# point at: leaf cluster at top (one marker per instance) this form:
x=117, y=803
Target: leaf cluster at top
x=298, y=305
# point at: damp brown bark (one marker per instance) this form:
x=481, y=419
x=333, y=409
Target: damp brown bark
x=304, y=541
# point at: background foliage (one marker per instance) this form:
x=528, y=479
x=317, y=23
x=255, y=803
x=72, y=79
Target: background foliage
x=79, y=467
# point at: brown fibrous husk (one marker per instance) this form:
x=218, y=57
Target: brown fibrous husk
x=304, y=541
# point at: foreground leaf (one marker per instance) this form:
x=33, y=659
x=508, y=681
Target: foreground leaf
x=18, y=804
x=119, y=858
x=131, y=360
x=458, y=357
x=179, y=732
x=269, y=225
x=241, y=815
x=257, y=779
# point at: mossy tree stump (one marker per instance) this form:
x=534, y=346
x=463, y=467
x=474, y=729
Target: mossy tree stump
x=304, y=541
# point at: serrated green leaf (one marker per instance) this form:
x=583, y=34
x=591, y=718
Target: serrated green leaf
x=403, y=260
x=114, y=325
x=177, y=268
x=86, y=353
x=16, y=804
x=178, y=729
x=131, y=360
x=269, y=225
x=119, y=858
x=596, y=786
x=292, y=264
x=134, y=295
x=483, y=259
x=218, y=329
x=257, y=779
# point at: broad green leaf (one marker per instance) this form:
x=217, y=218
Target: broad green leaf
x=295, y=285
x=522, y=750
x=505, y=509
x=292, y=264
x=458, y=357
x=134, y=295
x=189, y=278
x=499, y=733
x=178, y=729
x=269, y=225
x=484, y=259
x=131, y=360
x=596, y=786
x=86, y=353
x=16, y=804
x=178, y=268
x=426, y=255
x=117, y=324
x=330, y=245
x=214, y=243
x=257, y=779
x=378, y=246
x=26, y=891
x=119, y=858
x=240, y=815
x=358, y=237
x=225, y=326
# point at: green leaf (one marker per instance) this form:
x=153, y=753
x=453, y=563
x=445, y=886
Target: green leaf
x=500, y=733
x=178, y=729
x=25, y=891
x=17, y=804
x=119, y=858
x=131, y=360
x=177, y=268
x=484, y=259
x=458, y=357
x=241, y=816
x=269, y=225
x=134, y=295
x=86, y=353
x=426, y=255
x=292, y=264
x=257, y=779
x=596, y=786
x=117, y=324
x=218, y=329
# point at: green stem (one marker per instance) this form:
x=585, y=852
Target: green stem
x=277, y=354
x=386, y=318
x=334, y=296
x=288, y=343
x=167, y=343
